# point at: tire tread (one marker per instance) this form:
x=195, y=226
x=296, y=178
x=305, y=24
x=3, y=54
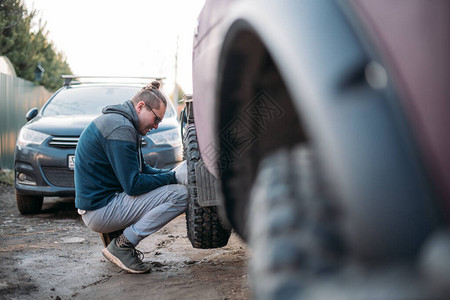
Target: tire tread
x=204, y=228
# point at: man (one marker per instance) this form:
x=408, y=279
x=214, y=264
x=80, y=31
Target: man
x=116, y=189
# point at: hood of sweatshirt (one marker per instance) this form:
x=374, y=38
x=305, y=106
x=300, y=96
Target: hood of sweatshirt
x=125, y=109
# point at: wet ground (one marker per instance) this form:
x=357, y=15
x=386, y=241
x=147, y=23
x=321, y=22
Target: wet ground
x=53, y=255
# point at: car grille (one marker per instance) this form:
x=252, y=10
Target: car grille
x=71, y=142
x=64, y=142
x=59, y=176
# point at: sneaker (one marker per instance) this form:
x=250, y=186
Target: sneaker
x=126, y=257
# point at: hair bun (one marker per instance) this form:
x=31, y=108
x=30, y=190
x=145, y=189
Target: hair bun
x=155, y=84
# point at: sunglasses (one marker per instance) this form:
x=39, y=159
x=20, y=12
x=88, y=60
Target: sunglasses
x=157, y=119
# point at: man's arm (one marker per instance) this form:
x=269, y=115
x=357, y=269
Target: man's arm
x=122, y=154
x=150, y=170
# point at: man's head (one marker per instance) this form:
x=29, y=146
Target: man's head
x=150, y=105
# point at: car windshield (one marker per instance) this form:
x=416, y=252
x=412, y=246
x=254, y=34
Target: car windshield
x=90, y=100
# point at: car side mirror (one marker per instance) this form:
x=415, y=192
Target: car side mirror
x=31, y=113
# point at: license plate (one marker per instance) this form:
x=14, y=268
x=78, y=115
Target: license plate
x=71, y=162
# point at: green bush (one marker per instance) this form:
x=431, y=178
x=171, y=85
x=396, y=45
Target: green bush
x=7, y=177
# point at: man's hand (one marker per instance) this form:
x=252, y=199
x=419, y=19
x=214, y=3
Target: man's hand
x=181, y=173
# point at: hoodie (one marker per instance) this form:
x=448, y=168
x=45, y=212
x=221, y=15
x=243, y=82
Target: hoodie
x=109, y=160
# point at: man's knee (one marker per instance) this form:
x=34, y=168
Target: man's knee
x=180, y=194
x=184, y=194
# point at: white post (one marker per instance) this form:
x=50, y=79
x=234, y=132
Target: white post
x=175, y=92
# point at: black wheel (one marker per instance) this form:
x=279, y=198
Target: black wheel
x=204, y=227
x=29, y=204
x=291, y=229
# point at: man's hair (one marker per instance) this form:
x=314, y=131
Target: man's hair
x=151, y=95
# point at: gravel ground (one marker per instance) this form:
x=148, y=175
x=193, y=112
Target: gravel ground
x=53, y=255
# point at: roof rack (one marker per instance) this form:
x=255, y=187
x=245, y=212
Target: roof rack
x=69, y=79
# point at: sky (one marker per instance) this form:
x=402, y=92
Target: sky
x=123, y=38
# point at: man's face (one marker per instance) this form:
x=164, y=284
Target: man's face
x=149, y=118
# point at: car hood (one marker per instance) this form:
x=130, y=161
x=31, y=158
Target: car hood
x=61, y=125
x=74, y=125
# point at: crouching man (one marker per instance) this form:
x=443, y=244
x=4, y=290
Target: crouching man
x=116, y=189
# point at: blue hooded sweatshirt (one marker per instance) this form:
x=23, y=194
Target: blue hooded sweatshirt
x=109, y=160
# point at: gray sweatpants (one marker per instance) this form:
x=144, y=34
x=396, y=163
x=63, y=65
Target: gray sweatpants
x=140, y=215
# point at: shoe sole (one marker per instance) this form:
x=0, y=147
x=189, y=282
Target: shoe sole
x=117, y=262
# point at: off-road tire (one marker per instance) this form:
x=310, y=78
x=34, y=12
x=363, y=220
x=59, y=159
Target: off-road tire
x=29, y=204
x=291, y=228
x=204, y=227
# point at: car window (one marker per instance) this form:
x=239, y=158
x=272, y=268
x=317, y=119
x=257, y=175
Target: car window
x=91, y=100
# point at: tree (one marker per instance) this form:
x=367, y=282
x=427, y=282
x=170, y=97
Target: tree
x=180, y=94
x=26, y=49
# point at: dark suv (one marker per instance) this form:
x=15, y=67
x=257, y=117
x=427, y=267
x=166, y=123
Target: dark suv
x=45, y=149
x=325, y=124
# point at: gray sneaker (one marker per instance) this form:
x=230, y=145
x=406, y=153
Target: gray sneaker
x=127, y=258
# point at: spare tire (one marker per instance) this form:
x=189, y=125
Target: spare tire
x=204, y=228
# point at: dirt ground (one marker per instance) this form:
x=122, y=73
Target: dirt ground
x=53, y=255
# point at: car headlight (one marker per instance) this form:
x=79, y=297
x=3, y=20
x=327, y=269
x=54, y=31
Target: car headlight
x=28, y=136
x=171, y=137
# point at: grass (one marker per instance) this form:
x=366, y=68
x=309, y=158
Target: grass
x=7, y=177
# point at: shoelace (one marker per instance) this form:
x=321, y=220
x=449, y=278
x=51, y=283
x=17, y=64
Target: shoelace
x=136, y=252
